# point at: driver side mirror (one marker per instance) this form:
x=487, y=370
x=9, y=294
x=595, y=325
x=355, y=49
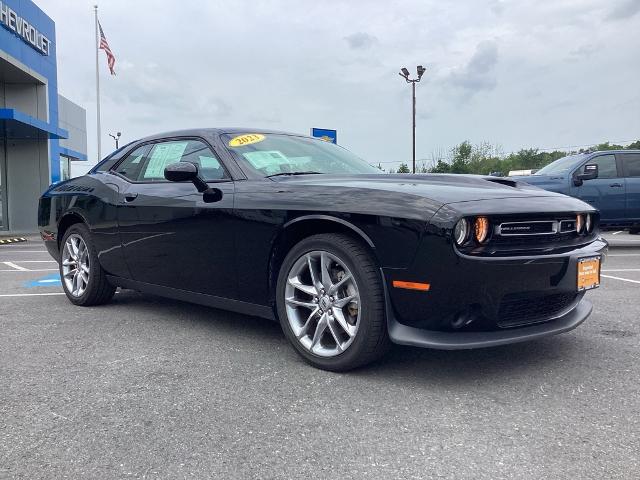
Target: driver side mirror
x=188, y=172
x=589, y=172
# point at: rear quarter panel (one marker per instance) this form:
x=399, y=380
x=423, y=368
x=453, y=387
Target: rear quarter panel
x=93, y=199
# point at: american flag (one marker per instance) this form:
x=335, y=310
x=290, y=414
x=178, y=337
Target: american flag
x=104, y=45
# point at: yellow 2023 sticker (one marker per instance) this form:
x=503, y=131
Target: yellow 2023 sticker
x=246, y=139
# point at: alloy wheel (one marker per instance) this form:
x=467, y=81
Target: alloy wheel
x=322, y=303
x=75, y=265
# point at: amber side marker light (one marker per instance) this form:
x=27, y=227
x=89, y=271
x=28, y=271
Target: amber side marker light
x=412, y=285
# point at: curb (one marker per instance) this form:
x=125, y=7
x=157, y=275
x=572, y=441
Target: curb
x=12, y=240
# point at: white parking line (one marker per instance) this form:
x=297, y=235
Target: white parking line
x=616, y=233
x=48, y=294
x=26, y=270
x=622, y=279
x=31, y=294
x=31, y=261
x=26, y=251
x=624, y=255
x=622, y=270
x=17, y=267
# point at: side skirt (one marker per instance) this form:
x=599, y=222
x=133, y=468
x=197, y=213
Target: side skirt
x=193, y=297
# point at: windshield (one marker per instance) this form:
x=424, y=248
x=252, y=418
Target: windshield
x=561, y=165
x=272, y=154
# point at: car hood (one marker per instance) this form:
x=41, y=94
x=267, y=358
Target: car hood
x=440, y=188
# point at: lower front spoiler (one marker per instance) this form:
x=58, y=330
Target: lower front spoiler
x=405, y=335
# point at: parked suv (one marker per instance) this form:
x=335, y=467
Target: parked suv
x=614, y=190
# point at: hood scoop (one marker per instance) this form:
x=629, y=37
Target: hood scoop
x=502, y=181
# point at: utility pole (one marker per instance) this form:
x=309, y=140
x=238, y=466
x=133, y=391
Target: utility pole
x=98, y=134
x=404, y=73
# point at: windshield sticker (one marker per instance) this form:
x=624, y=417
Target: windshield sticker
x=246, y=139
x=265, y=159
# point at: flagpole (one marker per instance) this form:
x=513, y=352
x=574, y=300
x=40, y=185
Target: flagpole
x=95, y=7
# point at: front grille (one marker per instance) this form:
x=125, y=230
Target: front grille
x=518, y=309
x=527, y=228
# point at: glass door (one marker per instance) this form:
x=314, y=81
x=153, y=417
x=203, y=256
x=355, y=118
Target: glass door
x=3, y=187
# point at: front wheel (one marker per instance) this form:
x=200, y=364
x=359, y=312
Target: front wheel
x=331, y=303
x=83, y=279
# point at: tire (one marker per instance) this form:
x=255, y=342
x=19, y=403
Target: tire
x=97, y=289
x=634, y=230
x=364, y=337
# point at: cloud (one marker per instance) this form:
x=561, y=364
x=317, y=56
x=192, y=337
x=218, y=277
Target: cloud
x=478, y=74
x=624, y=9
x=255, y=66
x=584, y=51
x=497, y=6
x=360, y=41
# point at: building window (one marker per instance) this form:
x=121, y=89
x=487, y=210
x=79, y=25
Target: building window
x=65, y=168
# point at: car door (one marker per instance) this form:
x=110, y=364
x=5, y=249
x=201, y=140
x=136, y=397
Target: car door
x=631, y=167
x=607, y=192
x=170, y=236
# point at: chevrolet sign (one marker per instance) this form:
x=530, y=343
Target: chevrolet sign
x=18, y=25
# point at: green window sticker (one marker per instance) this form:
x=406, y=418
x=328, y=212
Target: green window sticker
x=162, y=155
x=208, y=162
x=266, y=159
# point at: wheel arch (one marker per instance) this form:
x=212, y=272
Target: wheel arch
x=300, y=228
x=66, y=221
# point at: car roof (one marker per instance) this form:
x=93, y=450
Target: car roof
x=615, y=151
x=205, y=132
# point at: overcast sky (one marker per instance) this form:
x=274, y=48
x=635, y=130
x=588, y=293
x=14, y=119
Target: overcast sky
x=521, y=74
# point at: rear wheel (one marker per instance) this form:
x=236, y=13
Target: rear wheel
x=83, y=279
x=634, y=230
x=331, y=303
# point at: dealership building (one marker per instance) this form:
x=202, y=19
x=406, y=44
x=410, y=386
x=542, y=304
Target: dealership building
x=41, y=132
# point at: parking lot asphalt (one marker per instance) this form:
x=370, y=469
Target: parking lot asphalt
x=152, y=388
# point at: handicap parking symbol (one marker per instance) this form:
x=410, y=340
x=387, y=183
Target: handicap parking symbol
x=52, y=280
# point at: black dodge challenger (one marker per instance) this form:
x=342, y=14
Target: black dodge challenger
x=347, y=258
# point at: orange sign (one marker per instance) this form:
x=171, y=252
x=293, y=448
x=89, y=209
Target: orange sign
x=588, y=273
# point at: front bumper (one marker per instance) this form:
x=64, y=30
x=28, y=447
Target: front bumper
x=405, y=335
x=485, y=290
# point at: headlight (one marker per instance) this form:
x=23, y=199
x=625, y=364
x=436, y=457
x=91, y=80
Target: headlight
x=461, y=231
x=580, y=224
x=481, y=229
x=588, y=223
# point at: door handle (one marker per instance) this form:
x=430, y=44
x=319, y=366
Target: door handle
x=616, y=185
x=130, y=197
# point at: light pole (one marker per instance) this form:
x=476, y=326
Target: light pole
x=116, y=137
x=405, y=74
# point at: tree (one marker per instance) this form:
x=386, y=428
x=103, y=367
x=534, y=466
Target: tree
x=441, y=167
x=484, y=159
x=461, y=157
x=607, y=146
x=403, y=168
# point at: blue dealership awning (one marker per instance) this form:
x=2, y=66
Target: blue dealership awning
x=17, y=124
x=72, y=154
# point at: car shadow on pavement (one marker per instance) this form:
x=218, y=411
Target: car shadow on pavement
x=401, y=364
